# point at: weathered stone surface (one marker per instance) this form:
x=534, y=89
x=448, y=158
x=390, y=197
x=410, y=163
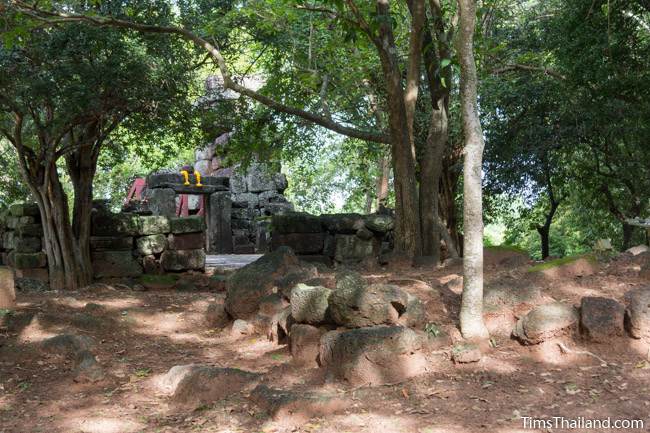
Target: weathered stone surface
x=241, y=328
x=111, y=243
x=280, y=326
x=300, y=243
x=152, y=244
x=365, y=234
x=342, y=223
x=7, y=288
x=304, y=344
x=107, y=264
x=637, y=313
x=272, y=304
x=181, y=260
x=67, y=344
x=86, y=368
x=295, y=408
x=415, y=315
x=151, y=265
x=28, y=245
x=546, y=322
x=245, y=199
x=638, y=249
x=373, y=356
x=238, y=183
x=186, y=241
x=40, y=274
x=27, y=260
x=110, y=224
x=219, y=216
x=216, y=316
x=293, y=275
x=278, y=208
x=248, y=285
x=191, y=224
x=24, y=209
x=296, y=222
x=170, y=180
x=14, y=222
x=262, y=237
x=32, y=284
x=259, y=178
x=465, y=353
x=379, y=223
x=195, y=385
x=152, y=225
x=310, y=304
x=601, y=319
x=161, y=201
x=356, y=306
x=9, y=240
x=351, y=249
x=27, y=230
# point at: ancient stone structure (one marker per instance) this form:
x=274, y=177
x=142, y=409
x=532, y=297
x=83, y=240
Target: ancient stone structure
x=333, y=238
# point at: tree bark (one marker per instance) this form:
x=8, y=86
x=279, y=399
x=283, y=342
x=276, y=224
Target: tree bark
x=471, y=311
x=627, y=235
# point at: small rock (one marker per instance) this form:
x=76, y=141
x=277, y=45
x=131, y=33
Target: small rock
x=87, y=369
x=241, y=328
x=638, y=249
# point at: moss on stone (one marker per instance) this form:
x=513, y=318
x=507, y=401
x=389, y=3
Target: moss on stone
x=563, y=261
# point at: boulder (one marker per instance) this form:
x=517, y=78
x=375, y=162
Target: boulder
x=309, y=304
x=259, y=178
x=111, y=243
x=379, y=223
x=216, y=316
x=352, y=249
x=296, y=407
x=373, y=356
x=300, y=243
x=86, y=368
x=7, y=288
x=196, y=385
x=27, y=260
x=120, y=264
x=638, y=249
x=295, y=222
x=304, y=344
x=272, y=304
x=361, y=305
x=152, y=225
x=280, y=181
x=151, y=265
x=342, y=223
x=237, y=183
x=67, y=344
x=152, y=244
x=637, y=313
x=182, y=260
x=601, y=319
x=280, y=326
x=415, y=315
x=110, y=224
x=249, y=284
x=545, y=322
x=295, y=274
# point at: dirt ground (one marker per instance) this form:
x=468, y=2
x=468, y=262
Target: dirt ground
x=141, y=335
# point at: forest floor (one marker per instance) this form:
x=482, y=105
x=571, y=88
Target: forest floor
x=141, y=335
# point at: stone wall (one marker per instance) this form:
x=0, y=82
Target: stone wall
x=22, y=246
x=128, y=245
x=333, y=238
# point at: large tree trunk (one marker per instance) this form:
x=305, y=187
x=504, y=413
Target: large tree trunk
x=430, y=174
x=471, y=310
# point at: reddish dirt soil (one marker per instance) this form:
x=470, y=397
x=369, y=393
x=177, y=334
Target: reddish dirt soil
x=140, y=335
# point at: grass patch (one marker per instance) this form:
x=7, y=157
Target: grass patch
x=563, y=261
x=158, y=279
x=507, y=248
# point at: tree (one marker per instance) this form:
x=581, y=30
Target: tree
x=471, y=310
x=428, y=28
x=66, y=91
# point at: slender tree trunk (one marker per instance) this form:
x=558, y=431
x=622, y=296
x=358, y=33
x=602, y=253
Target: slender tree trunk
x=382, y=181
x=627, y=235
x=471, y=311
x=545, y=230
